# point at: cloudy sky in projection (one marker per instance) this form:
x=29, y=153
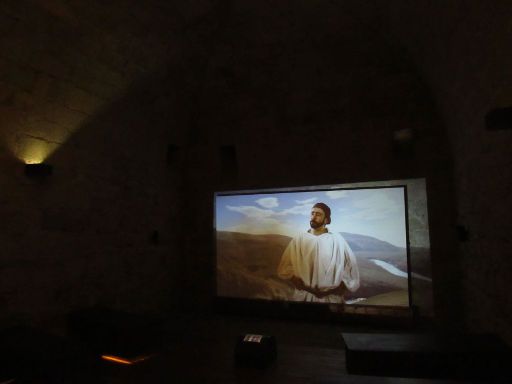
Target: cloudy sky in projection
x=376, y=212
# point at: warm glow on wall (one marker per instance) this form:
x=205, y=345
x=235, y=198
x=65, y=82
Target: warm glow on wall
x=34, y=153
x=32, y=150
x=33, y=128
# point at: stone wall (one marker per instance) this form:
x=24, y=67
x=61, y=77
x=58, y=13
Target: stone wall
x=96, y=231
x=145, y=109
x=465, y=59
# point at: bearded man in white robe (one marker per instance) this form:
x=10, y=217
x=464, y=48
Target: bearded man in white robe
x=319, y=263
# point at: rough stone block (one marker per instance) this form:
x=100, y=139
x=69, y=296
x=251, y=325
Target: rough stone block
x=53, y=65
x=67, y=118
x=7, y=23
x=20, y=77
x=82, y=101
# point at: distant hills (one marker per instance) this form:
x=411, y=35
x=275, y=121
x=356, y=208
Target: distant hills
x=368, y=244
x=247, y=266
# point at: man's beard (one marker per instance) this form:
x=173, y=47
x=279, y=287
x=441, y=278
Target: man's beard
x=315, y=225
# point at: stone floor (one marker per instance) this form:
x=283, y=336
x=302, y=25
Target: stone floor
x=201, y=350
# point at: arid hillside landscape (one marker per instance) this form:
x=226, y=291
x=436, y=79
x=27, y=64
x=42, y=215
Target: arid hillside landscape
x=247, y=265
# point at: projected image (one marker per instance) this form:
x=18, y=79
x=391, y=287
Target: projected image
x=327, y=246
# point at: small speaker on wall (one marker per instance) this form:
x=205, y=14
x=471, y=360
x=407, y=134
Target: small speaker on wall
x=403, y=143
x=228, y=162
x=498, y=119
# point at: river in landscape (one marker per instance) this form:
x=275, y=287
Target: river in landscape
x=397, y=272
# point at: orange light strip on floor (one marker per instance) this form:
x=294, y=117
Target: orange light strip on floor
x=120, y=360
x=116, y=359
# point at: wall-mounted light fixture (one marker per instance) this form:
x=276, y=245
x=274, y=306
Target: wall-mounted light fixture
x=38, y=171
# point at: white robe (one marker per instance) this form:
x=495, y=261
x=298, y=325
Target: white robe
x=324, y=262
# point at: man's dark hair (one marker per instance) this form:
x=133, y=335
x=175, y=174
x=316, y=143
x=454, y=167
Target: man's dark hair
x=324, y=207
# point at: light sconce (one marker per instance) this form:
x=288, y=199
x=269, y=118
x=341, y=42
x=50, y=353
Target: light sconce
x=38, y=171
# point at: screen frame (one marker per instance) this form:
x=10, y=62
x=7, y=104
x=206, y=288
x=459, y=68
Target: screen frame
x=298, y=309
